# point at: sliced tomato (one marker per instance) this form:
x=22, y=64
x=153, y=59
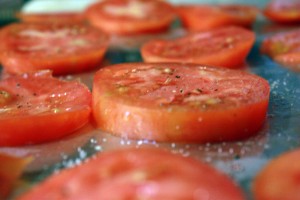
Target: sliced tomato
x=59, y=47
x=144, y=173
x=280, y=178
x=179, y=102
x=48, y=154
x=205, y=17
x=131, y=16
x=37, y=108
x=10, y=170
x=284, y=48
x=287, y=11
x=225, y=47
x=52, y=17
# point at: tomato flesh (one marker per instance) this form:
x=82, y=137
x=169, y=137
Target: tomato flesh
x=179, y=102
x=37, y=108
x=10, y=170
x=287, y=11
x=225, y=47
x=138, y=174
x=51, y=17
x=207, y=17
x=284, y=48
x=123, y=17
x=58, y=47
x=285, y=168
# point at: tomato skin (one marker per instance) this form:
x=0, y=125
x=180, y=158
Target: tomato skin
x=141, y=119
x=279, y=179
x=207, y=17
x=287, y=11
x=157, y=19
x=225, y=47
x=284, y=49
x=41, y=108
x=51, y=18
x=23, y=52
x=144, y=173
x=10, y=170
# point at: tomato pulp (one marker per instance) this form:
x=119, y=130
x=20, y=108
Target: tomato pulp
x=224, y=47
x=143, y=173
x=123, y=17
x=287, y=11
x=10, y=170
x=179, y=102
x=285, y=168
x=37, y=108
x=61, y=48
x=207, y=17
x=284, y=48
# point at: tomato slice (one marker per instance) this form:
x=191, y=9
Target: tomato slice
x=287, y=11
x=225, y=47
x=284, y=48
x=131, y=16
x=145, y=173
x=280, y=178
x=179, y=102
x=206, y=17
x=62, y=48
x=10, y=170
x=68, y=17
x=37, y=108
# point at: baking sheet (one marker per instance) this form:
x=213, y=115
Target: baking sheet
x=241, y=160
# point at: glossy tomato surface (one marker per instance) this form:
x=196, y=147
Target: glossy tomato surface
x=287, y=11
x=179, y=102
x=225, y=47
x=284, y=48
x=131, y=16
x=11, y=169
x=280, y=178
x=59, y=47
x=144, y=173
x=37, y=108
x=205, y=17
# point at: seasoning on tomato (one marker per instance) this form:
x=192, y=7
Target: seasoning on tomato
x=37, y=108
x=61, y=48
x=145, y=173
x=284, y=48
x=225, y=47
x=279, y=179
x=123, y=17
x=287, y=11
x=205, y=17
x=10, y=170
x=179, y=102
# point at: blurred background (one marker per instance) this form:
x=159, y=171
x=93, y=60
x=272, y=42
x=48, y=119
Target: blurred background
x=8, y=8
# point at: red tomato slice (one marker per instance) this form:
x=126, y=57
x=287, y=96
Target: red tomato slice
x=36, y=108
x=48, y=154
x=10, y=170
x=287, y=11
x=61, y=48
x=205, y=17
x=144, y=173
x=179, y=102
x=226, y=47
x=284, y=48
x=131, y=16
x=280, y=178
x=52, y=17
